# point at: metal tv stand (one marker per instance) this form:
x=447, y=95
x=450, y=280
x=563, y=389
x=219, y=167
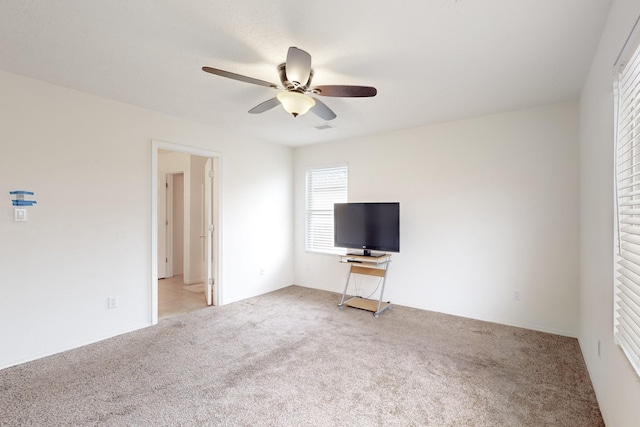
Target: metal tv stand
x=377, y=266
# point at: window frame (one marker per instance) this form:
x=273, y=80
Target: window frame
x=626, y=289
x=319, y=213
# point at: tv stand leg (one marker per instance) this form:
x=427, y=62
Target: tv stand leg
x=384, y=281
x=344, y=293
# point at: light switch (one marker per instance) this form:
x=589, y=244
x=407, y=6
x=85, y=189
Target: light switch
x=19, y=214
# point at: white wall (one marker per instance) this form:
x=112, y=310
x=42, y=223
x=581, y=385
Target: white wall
x=615, y=383
x=488, y=206
x=88, y=160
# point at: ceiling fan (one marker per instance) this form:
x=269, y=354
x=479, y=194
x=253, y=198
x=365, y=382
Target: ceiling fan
x=295, y=76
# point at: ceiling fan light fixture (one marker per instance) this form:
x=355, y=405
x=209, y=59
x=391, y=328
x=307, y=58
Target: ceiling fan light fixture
x=296, y=103
x=296, y=75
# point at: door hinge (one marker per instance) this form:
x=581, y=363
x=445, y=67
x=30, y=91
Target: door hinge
x=166, y=260
x=211, y=227
x=210, y=174
x=166, y=185
x=166, y=222
x=211, y=281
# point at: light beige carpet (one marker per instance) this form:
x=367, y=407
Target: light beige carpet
x=292, y=358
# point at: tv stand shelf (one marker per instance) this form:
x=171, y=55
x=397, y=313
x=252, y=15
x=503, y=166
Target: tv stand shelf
x=376, y=266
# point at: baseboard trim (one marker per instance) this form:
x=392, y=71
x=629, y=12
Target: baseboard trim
x=73, y=346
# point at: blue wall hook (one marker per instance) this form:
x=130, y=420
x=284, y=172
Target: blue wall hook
x=19, y=198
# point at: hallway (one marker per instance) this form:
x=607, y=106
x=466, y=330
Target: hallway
x=174, y=297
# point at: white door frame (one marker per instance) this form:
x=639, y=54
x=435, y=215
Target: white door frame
x=207, y=230
x=162, y=234
x=169, y=213
x=217, y=219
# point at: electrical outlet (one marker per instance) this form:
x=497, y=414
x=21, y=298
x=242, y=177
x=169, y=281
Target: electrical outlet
x=262, y=271
x=112, y=302
x=516, y=295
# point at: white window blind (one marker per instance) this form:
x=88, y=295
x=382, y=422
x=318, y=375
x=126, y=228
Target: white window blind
x=325, y=186
x=626, y=308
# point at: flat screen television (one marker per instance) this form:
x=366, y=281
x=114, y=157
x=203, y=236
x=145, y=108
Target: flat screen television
x=367, y=226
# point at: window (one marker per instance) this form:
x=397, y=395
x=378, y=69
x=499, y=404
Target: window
x=626, y=310
x=325, y=186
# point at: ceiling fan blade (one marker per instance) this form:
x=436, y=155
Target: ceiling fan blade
x=266, y=105
x=345, y=91
x=298, y=65
x=238, y=77
x=322, y=111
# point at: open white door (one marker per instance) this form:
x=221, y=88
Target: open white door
x=208, y=230
x=162, y=225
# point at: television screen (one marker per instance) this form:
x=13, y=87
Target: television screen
x=368, y=226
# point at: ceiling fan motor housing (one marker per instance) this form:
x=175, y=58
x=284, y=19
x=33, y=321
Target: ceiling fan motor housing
x=293, y=86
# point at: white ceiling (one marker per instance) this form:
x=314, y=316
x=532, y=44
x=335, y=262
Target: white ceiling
x=431, y=60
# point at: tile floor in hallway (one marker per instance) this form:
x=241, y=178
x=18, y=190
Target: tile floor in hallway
x=174, y=299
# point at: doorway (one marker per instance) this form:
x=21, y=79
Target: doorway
x=185, y=220
x=177, y=293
